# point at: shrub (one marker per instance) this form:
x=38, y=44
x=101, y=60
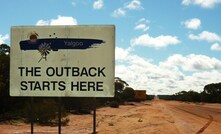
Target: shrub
x=128, y=93
x=45, y=111
x=80, y=105
x=114, y=104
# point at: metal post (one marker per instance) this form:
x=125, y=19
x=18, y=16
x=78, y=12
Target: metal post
x=94, y=117
x=59, y=116
x=32, y=118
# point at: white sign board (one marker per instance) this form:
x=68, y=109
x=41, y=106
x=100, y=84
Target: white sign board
x=75, y=61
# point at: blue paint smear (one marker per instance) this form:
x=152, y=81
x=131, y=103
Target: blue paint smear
x=56, y=44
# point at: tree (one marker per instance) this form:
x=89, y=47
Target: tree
x=5, y=101
x=4, y=49
x=192, y=96
x=213, y=89
x=128, y=93
x=187, y=96
x=17, y=107
x=44, y=111
x=119, y=87
x=212, y=92
x=4, y=70
x=180, y=95
x=120, y=84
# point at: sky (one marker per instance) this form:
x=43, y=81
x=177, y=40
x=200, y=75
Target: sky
x=162, y=46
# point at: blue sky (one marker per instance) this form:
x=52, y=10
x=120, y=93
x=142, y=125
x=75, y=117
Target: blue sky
x=162, y=46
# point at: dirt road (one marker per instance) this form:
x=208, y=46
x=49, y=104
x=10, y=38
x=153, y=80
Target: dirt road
x=195, y=118
x=149, y=117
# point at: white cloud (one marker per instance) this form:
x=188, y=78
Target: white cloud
x=155, y=42
x=209, y=76
x=206, y=36
x=61, y=20
x=192, y=23
x=133, y=69
x=215, y=47
x=64, y=20
x=202, y=3
x=119, y=12
x=141, y=20
x=167, y=77
x=198, y=80
x=142, y=24
x=134, y=5
x=98, y=4
x=193, y=62
x=186, y=2
x=43, y=22
x=3, y=38
x=121, y=53
x=143, y=27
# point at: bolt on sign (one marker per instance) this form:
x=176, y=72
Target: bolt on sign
x=60, y=61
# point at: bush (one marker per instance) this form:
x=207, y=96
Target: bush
x=45, y=111
x=114, y=104
x=150, y=97
x=128, y=93
x=80, y=105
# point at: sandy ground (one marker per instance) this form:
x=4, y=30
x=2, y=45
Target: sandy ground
x=149, y=117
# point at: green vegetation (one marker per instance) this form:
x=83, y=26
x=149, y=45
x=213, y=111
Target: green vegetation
x=79, y=105
x=114, y=104
x=150, y=97
x=45, y=109
x=210, y=94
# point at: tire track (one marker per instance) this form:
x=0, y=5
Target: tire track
x=204, y=126
x=191, y=113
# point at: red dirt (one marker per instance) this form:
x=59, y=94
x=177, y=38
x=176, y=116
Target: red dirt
x=149, y=117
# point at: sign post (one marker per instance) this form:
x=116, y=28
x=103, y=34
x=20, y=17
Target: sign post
x=59, y=115
x=62, y=61
x=94, y=116
x=32, y=117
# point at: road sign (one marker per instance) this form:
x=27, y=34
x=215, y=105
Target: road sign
x=52, y=61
